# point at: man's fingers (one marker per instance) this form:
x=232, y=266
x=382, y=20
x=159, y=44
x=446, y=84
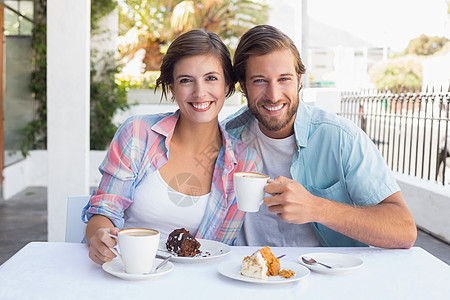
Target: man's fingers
x=274, y=187
x=281, y=179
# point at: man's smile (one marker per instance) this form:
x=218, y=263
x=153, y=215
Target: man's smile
x=274, y=107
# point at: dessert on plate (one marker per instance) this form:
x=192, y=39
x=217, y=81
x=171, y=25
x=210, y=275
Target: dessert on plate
x=261, y=264
x=286, y=273
x=182, y=243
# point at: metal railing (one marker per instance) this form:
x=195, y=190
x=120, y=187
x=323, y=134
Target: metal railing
x=410, y=128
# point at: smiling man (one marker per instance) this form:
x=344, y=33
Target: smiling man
x=331, y=186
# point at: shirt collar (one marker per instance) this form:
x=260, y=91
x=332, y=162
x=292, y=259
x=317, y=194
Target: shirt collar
x=302, y=124
x=228, y=151
x=166, y=127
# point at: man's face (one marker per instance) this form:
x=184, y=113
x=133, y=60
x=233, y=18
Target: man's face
x=272, y=86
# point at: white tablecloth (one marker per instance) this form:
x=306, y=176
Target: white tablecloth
x=64, y=271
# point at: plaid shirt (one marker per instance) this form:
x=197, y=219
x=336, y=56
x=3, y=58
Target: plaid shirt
x=142, y=145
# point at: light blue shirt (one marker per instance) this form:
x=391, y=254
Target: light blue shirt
x=334, y=159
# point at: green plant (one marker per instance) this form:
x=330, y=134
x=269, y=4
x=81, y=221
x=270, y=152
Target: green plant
x=99, y=9
x=107, y=96
x=35, y=132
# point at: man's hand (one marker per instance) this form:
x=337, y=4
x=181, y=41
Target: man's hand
x=389, y=224
x=290, y=201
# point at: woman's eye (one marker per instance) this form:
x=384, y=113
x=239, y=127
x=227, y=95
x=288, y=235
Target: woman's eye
x=184, y=80
x=211, y=78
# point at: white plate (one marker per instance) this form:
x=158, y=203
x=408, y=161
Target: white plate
x=233, y=271
x=116, y=268
x=209, y=250
x=341, y=263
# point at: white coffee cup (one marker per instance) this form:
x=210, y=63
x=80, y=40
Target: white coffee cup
x=138, y=248
x=249, y=189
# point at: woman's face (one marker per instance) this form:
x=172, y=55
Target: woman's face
x=199, y=87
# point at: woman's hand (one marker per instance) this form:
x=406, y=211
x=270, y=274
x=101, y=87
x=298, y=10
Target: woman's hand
x=99, y=245
x=97, y=234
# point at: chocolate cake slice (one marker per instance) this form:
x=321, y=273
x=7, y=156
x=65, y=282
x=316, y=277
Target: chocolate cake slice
x=182, y=243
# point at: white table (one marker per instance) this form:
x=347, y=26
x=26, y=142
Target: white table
x=63, y=271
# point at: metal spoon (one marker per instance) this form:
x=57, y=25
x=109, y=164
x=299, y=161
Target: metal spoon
x=311, y=261
x=166, y=259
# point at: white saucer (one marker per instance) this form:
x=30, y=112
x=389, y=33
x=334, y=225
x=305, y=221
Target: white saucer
x=116, y=268
x=209, y=250
x=341, y=263
x=233, y=271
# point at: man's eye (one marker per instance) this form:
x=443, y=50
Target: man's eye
x=258, y=80
x=284, y=79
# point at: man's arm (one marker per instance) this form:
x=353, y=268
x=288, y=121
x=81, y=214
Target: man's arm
x=389, y=224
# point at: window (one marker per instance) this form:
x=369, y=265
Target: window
x=18, y=17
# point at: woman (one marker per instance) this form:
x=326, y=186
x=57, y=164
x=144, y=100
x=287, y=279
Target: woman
x=175, y=170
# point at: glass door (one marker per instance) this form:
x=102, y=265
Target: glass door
x=17, y=96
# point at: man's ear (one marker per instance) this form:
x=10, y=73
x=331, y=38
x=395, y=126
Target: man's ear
x=300, y=85
x=244, y=90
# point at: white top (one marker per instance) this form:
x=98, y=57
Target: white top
x=158, y=206
x=64, y=271
x=276, y=155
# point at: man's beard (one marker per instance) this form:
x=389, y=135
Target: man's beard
x=274, y=124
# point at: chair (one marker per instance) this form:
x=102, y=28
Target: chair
x=75, y=227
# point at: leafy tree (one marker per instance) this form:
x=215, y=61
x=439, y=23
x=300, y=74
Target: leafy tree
x=405, y=71
x=426, y=45
x=153, y=24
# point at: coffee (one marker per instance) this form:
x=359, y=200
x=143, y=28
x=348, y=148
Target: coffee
x=253, y=176
x=249, y=189
x=138, y=248
x=138, y=232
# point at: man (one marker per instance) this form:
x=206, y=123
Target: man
x=331, y=186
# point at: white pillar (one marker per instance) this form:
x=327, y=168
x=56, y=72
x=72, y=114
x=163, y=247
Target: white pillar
x=302, y=34
x=68, y=84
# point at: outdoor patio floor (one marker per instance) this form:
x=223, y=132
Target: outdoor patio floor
x=23, y=219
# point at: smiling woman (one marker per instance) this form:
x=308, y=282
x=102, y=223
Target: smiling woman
x=143, y=186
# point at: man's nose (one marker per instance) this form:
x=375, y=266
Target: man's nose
x=273, y=92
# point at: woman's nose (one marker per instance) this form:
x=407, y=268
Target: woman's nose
x=199, y=90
